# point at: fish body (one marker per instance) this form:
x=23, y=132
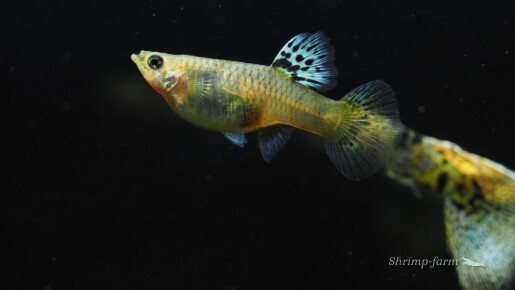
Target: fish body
x=236, y=98
x=231, y=96
x=479, y=204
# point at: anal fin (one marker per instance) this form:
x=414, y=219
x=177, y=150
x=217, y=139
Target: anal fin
x=272, y=139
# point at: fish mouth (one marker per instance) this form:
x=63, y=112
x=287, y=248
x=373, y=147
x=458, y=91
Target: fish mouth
x=134, y=57
x=139, y=60
x=139, y=57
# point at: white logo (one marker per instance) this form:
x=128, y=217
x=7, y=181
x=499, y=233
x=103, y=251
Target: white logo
x=471, y=263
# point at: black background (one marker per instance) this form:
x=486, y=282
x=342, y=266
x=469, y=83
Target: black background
x=103, y=187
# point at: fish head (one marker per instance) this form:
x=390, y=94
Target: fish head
x=165, y=73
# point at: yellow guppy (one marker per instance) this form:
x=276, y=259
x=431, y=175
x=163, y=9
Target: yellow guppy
x=236, y=98
x=479, y=205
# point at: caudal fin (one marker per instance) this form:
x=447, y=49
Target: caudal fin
x=368, y=122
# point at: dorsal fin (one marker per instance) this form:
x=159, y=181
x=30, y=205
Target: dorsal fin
x=308, y=59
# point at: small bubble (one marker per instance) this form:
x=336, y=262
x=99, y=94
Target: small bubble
x=506, y=51
x=12, y=69
x=421, y=109
x=209, y=177
x=182, y=8
x=154, y=15
x=66, y=106
x=171, y=215
x=67, y=55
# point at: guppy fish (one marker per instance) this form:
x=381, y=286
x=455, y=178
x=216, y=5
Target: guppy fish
x=479, y=204
x=235, y=98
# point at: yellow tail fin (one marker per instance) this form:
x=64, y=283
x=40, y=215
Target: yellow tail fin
x=367, y=126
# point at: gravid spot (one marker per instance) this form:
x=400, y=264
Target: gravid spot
x=251, y=116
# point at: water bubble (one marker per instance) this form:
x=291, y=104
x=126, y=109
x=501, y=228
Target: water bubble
x=171, y=215
x=421, y=109
x=66, y=106
x=67, y=55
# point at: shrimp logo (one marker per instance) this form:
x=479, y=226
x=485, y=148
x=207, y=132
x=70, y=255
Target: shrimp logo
x=471, y=263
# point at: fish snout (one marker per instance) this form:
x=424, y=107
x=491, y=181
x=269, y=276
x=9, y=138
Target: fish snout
x=137, y=57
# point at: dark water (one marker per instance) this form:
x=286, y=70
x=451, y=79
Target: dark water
x=103, y=187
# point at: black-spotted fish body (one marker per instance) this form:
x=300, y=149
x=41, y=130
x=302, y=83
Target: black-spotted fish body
x=235, y=98
x=479, y=204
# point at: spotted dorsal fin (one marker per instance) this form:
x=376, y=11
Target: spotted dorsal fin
x=308, y=59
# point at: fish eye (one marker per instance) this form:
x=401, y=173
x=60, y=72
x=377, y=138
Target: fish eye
x=155, y=61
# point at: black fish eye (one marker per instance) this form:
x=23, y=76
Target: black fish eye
x=155, y=61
